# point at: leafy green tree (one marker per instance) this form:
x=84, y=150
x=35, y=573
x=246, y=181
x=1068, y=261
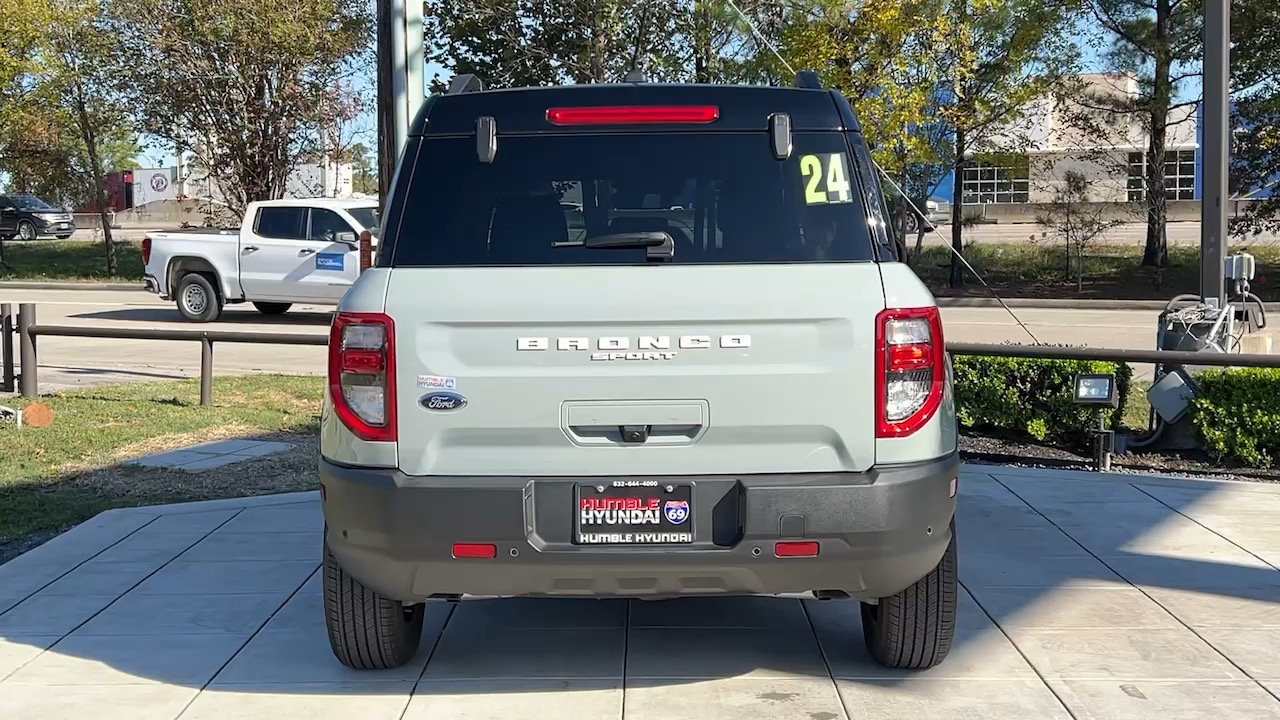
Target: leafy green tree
x=1159, y=41
x=67, y=125
x=1255, y=76
x=1002, y=56
x=511, y=43
x=364, y=174
x=241, y=84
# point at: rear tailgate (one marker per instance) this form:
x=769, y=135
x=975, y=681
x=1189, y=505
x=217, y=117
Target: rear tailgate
x=540, y=331
x=728, y=369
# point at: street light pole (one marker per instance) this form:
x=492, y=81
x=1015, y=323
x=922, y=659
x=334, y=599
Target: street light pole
x=401, y=83
x=1215, y=151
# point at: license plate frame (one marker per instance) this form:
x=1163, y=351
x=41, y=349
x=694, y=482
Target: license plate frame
x=641, y=500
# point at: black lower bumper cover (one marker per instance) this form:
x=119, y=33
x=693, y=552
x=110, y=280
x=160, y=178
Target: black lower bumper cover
x=878, y=532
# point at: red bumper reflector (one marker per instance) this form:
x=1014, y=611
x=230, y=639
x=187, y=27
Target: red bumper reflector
x=796, y=549
x=322, y=493
x=475, y=550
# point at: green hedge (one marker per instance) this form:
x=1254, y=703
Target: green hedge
x=1237, y=411
x=1031, y=396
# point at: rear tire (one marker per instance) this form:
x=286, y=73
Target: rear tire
x=366, y=630
x=272, y=308
x=197, y=299
x=914, y=628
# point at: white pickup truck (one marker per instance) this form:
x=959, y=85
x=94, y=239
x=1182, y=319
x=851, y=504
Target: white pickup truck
x=285, y=252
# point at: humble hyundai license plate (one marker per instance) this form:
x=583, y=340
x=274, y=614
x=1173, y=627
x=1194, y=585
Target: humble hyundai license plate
x=634, y=512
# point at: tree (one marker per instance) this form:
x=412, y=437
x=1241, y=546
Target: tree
x=511, y=43
x=1076, y=219
x=1160, y=41
x=68, y=123
x=883, y=55
x=364, y=174
x=1255, y=76
x=339, y=129
x=241, y=84
x=1004, y=54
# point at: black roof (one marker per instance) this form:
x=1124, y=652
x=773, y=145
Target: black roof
x=741, y=107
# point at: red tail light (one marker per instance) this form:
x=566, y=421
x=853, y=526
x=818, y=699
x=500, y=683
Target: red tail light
x=910, y=369
x=633, y=115
x=146, y=249
x=362, y=374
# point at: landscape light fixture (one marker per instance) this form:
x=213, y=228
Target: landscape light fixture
x=1098, y=391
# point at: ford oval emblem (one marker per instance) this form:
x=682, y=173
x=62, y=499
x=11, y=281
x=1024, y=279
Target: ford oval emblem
x=443, y=402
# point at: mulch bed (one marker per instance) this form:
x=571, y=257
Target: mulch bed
x=983, y=449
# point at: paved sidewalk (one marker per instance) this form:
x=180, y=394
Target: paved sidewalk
x=1086, y=596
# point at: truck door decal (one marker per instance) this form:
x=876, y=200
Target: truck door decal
x=331, y=261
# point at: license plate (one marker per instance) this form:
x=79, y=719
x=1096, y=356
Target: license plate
x=641, y=512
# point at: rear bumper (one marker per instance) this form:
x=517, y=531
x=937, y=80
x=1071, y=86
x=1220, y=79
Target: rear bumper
x=878, y=533
x=151, y=284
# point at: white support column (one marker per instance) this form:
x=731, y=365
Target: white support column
x=401, y=81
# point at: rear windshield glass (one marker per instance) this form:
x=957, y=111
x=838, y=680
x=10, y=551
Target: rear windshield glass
x=722, y=198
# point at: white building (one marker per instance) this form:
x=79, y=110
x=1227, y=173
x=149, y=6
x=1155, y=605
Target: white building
x=1107, y=148
x=324, y=179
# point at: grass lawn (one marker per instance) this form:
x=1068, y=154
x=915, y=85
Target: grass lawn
x=1136, y=409
x=69, y=260
x=1112, y=272
x=54, y=477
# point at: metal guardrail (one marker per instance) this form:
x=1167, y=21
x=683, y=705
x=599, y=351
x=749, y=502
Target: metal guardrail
x=27, y=331
x=1163, y=357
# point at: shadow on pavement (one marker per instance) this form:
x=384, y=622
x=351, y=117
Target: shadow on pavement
x=233, y=314
x=230, y=600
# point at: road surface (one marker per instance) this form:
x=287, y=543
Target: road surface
x=71, y=361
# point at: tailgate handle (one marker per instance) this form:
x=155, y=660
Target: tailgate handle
x=635, y=423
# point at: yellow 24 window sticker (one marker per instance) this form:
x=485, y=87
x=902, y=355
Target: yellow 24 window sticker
x=826, y=178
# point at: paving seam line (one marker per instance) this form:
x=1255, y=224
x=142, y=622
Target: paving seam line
x=120, y=595
x=1145, y=594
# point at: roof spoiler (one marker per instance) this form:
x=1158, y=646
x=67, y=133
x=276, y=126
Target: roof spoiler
x=465, y=83
x=808, y=80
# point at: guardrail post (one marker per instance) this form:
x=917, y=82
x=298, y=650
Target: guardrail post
x=206, y=371
x=7, y=375
x=28, y=380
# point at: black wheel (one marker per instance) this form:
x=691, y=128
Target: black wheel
x=914, y=628
x=912, y=222
x=26, y=231
x=270, y=308
x=197, y=299
x=366, y=630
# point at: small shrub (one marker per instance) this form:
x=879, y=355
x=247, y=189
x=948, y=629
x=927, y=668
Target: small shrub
x=1031, y=396
x=1237, y=412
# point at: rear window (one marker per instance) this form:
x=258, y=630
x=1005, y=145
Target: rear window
x=722, y=198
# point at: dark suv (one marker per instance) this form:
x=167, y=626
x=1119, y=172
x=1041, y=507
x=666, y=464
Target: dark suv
x=27, y=217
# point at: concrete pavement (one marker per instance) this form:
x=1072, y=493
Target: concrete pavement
x=1086, y=596
x=71, y=361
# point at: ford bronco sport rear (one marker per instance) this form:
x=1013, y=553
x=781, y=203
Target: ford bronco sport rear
x=638, y=341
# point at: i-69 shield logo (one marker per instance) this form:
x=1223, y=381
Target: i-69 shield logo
x=677, y=511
